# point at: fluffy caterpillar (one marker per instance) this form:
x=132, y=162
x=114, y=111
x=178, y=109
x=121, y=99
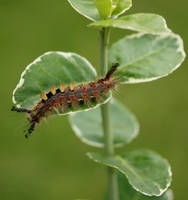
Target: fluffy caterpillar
x=63, y=99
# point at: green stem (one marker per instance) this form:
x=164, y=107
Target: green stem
x=108, y=137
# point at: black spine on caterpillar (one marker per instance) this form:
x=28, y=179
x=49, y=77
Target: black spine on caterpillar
x=20, y=109
x=111, y=71
x=66, y=97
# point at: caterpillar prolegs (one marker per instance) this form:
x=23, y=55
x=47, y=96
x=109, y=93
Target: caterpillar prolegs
x=62, y=99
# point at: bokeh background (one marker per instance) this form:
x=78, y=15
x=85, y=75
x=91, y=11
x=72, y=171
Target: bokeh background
x=52, y=163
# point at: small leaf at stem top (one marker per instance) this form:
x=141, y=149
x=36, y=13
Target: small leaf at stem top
x=121, y=6
x=106, y=8
x=86, y=8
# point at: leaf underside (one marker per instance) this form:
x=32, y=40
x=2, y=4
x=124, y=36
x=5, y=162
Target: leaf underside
x=127, y=192
x=146, y=171
x=87, y=125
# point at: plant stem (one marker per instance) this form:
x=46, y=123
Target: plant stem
x=108, y=137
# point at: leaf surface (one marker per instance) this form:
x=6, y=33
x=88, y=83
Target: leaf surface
x=120, y=7
x=146, y=171
x=51, y=69
x=88, y=127
x=145, y=57
x=104, y=8
x=127, y=192
x=88, y=9
x=141, y=22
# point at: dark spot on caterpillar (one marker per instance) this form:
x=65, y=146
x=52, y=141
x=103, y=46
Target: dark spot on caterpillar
x=63, y=99
x=58, y=91
x=49, y=95
x=81, y=102
x=69, y=104
x=93, y=99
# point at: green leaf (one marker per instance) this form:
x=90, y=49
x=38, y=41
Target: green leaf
x=50, y=69
x=142, y=22
x=88, y=127
x=146, y=171
x=145, y=57
x=104, y=7
x=120, y=6
x=88, y=9
x=127, y=192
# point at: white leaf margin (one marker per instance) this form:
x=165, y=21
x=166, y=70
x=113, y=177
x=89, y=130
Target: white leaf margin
x=86, y=16
x=179, y=50
x=134, y=29
x=77, y=131
x=124, y=10
x=96, y=10
x=38, y=59
x=89, y=154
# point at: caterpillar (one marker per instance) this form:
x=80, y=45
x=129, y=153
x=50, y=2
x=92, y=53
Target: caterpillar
x=59, y=100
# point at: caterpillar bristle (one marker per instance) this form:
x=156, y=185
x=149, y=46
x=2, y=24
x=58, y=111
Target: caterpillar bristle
x=53, y=90
x=60, y=109
x=62, y=87
x=13, y=108
x=43, y=96
x=56, y=110
x=111, y=71
x=30, y=130
x=26, y=136
x=71, y=86
x=19, y=109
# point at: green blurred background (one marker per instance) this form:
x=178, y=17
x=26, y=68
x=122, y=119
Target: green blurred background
x=52, y=163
